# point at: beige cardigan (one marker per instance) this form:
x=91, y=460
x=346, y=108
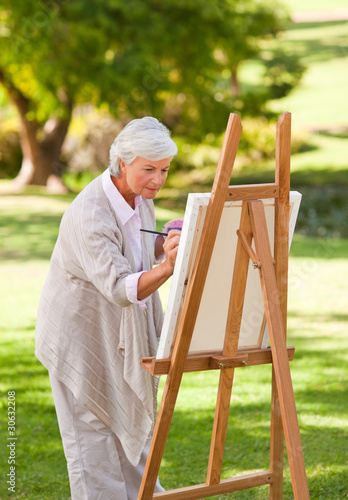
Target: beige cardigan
x=88, y=334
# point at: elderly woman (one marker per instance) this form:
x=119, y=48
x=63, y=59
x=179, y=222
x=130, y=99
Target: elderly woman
x=100, y=313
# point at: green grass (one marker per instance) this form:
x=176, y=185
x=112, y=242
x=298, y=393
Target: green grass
x=319, y=100
x=318, y=105
x=318, y=323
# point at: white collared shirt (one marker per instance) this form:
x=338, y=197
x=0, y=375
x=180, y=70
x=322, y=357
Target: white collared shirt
x=132, y=223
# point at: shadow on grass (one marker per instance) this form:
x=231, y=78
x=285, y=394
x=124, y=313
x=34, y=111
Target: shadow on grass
x=28, y=237
x=317, y=249
x=188, y=444
x=248, y=447
x=317, y=317
x=337, y=135
x=317, y=48
x=313, y=177
x=41, y=464
x=319, y=24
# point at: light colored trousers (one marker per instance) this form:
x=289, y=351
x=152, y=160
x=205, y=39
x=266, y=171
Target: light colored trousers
x=97, y=465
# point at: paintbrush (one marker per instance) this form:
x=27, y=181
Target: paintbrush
x=153, y=232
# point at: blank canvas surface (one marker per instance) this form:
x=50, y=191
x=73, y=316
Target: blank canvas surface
x=210, y=325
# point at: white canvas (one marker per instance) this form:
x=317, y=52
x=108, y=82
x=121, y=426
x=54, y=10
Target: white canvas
x=210, y=325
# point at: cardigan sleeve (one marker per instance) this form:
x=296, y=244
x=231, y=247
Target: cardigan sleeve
x=93, y=249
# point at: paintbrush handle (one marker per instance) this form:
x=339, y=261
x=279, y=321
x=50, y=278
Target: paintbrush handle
x=153, y=232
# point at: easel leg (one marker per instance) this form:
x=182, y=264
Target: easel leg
x=220, y=426
x=281, y=251
x=279, y=357
x=234, y=318
x=160, y=436
x=277, y=445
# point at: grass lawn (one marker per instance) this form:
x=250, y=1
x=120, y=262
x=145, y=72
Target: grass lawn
x=319, y=100
x=318, y=323
x=318, y=105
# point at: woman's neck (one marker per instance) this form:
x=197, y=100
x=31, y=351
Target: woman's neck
x=124, y=190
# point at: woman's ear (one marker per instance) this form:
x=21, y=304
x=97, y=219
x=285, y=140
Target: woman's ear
x=122, y=166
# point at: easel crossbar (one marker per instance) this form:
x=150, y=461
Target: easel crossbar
x=225, y=486
x=252, y=192
x=203, y=362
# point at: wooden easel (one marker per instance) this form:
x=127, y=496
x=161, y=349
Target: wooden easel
x=273, y=276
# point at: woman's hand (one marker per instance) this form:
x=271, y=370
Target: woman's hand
x=150, y=281
x=170, y=248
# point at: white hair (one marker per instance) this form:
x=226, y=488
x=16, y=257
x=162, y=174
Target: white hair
x=141, y=138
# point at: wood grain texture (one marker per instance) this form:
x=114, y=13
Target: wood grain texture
x=226, y=486
x=281, y=249
x=252, y=192
x=204, y=362
x=234, y=319
x=279, y=356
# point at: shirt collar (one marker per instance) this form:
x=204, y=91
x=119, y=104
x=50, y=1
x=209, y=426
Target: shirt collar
x=124, y=211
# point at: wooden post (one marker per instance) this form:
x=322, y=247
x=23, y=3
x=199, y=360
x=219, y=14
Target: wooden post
x=281, y=257
x=234, y=319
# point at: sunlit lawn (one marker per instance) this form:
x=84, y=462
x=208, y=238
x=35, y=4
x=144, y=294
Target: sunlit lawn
x=318, y=323
x=319, y=100
x=319, y=104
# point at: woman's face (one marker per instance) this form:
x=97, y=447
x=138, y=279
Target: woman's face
x=144, y=177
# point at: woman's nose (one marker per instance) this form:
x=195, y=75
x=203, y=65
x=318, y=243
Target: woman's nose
x=157, y=178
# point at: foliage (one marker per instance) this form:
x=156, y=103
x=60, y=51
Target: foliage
x=324, y=212
x=88, y=144
x=133, y=57
x=317, y=328
x=283, y=73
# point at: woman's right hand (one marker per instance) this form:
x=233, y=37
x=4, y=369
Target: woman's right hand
x=170, y=247
x=153, y=279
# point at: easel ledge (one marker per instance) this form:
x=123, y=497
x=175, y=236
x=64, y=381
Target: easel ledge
x=204, y=362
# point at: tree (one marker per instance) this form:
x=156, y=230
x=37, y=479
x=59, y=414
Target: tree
x=251, y=23
x=133, y=57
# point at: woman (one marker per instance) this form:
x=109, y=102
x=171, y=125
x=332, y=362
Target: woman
x=100, y=313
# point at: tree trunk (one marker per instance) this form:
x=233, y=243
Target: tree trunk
x=40, y=165
x=234, y=82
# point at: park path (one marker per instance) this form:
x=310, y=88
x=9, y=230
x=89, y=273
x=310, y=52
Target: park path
x=320, y=16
